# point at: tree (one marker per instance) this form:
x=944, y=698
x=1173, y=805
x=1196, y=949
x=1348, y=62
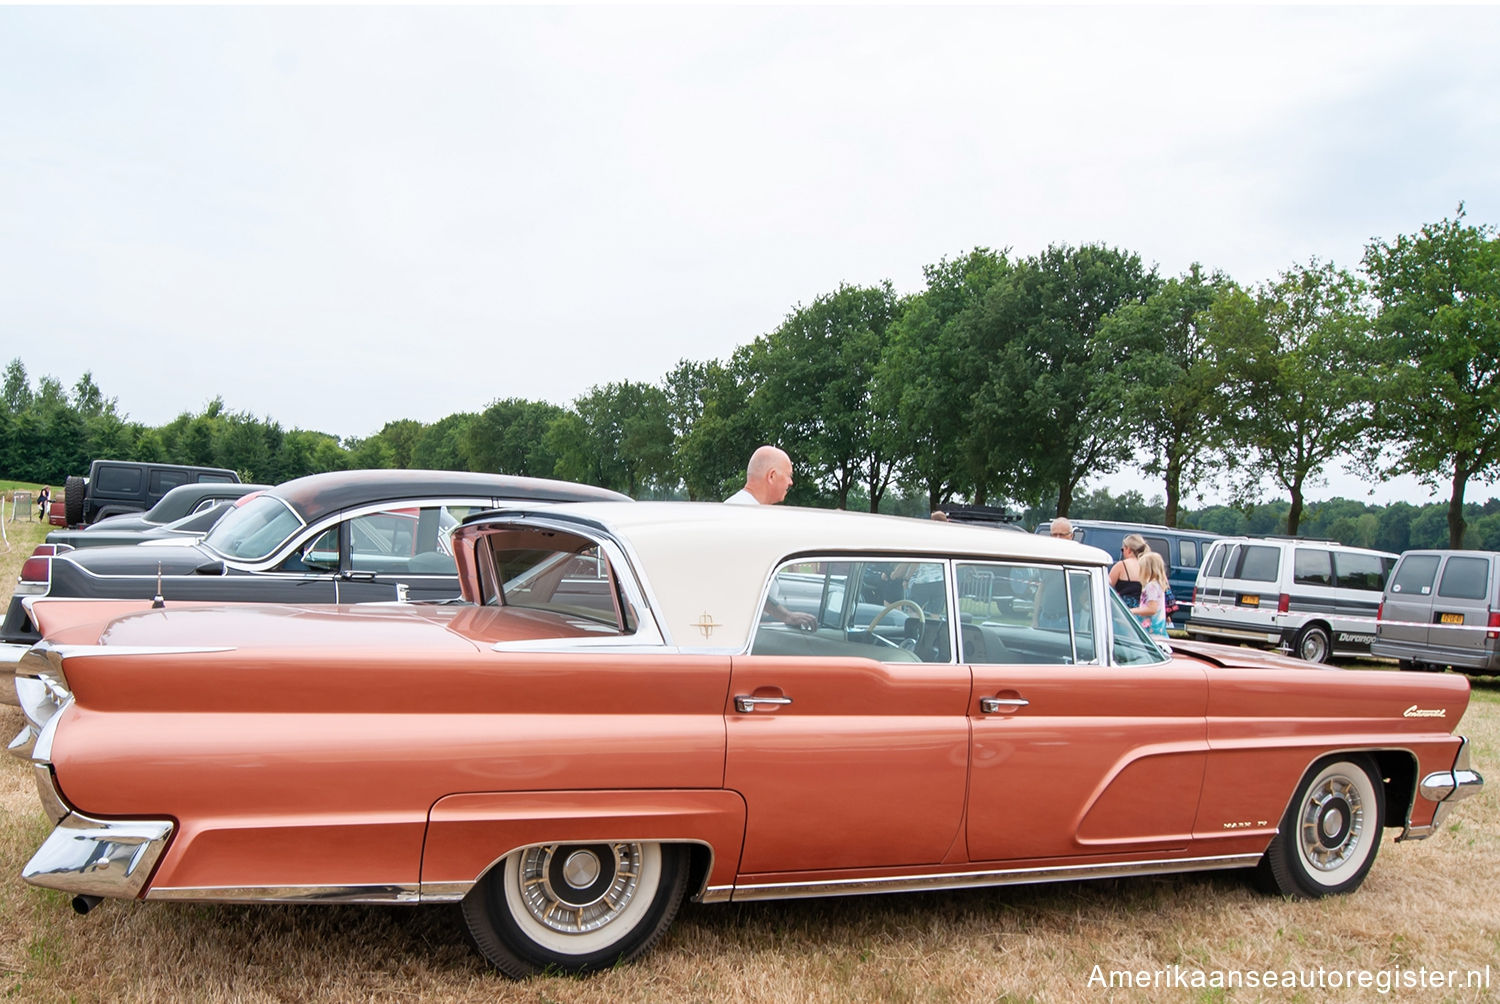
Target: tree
x=1173, y=392
x=17, y=387
x=617, y=436
x=925, y=377
x=815, y=377
x=510, y=437
x=1294, y=359
x=443, y=445
x=1049, y=414
x=1438, y=334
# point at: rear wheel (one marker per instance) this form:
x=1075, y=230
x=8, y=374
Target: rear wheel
x=1328, y=838
x=575, y=908
x=1313, y=643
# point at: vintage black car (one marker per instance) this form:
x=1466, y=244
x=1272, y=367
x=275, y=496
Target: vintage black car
x=189, y=528
x=181, y=501
x=340, y=537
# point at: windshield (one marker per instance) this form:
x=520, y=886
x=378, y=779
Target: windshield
x=254, y=530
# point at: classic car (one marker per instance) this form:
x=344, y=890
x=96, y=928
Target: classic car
x=189, y=528
x=340, y=537
x=641, y=704
x=181, y=501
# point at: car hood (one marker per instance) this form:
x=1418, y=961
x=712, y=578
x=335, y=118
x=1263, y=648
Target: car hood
x=138, y=559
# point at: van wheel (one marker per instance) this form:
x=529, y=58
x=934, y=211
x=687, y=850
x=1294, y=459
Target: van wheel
x=1313, y=644
x=575, y=908
x=1327, y=840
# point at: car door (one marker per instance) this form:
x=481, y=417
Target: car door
x=1407, y=613
x=1460, y=607
x=1076, y=752
x=850, y=751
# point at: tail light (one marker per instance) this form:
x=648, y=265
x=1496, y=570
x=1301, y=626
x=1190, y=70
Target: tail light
x=47, y=550
x=1283, y=603
x=1379, y=614
x=1494, y=631
x=1194, y=603
x=36, y=575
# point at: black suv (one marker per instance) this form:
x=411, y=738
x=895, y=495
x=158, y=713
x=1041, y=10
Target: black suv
x=119, y=486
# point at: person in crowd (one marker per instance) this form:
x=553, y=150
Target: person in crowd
x=1125, y=574
x=43, y=501
x=1061, y=528
x=768, y=477
x=1152, y=610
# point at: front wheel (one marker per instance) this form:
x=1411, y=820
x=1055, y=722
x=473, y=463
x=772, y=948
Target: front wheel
x=1328, y=838
x=1313, y=643
x=575, y=908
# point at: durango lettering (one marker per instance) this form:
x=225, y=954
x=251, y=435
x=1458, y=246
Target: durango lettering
x=1416, y=712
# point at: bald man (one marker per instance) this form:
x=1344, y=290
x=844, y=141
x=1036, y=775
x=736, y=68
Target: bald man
x=768, y=477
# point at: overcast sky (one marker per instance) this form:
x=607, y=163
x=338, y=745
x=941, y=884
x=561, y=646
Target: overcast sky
x=336, y=217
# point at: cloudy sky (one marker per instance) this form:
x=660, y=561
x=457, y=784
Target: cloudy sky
x=335, y=217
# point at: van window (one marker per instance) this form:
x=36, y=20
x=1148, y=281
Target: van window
x=1161, y=547
x=1187, y=553
x=162, y=482
x=1465, y=578
x=1257, y=563
x=1216, y=561
x=1360, y=571
x=1415, y=575
x=1312, y=567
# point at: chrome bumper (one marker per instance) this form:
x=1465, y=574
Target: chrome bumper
x=97, y=857
x=1446, y=787
x=10, y=655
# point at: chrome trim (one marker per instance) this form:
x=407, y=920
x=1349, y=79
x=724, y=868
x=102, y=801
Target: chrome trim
x=405, y=893
x=717, y=894
x=1448, y=786
x=966, y=880
x=445, y=892
x=59, y=652
x=745, y=704
x=95, y=857
x=10, y=657
x=992, y=705
x=52, y=801
x=24, y=742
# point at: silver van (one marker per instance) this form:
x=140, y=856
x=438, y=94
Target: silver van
x=1313, y=598
x=1442, y=608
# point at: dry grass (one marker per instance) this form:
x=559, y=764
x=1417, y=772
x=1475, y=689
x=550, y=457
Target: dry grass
x=1429, y=903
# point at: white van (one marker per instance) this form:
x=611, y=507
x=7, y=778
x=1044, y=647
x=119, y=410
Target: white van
x=1314, y=598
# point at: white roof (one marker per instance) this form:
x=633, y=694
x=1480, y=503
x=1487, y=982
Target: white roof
x=706, y=564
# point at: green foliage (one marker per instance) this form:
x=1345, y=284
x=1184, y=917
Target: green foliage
x=1438, y=349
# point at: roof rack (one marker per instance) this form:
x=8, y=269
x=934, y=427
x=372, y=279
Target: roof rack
x=976, y=513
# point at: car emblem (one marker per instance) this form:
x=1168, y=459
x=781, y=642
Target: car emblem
x=1416, y=712
x=706, y=623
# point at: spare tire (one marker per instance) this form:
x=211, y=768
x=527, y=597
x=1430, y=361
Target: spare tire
x=73, y=490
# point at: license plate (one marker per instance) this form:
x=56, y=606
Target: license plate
x=1248, y=600
x=1450, y=618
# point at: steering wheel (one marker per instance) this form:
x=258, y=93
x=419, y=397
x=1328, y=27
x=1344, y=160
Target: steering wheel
x=910, y=606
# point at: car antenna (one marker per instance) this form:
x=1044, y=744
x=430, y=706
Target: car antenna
x=157, y=602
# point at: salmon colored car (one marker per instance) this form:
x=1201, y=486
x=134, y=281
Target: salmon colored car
x=642, y=704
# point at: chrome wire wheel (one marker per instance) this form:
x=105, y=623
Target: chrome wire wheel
x=576, y=908
x=572, y=890
x=1330, y=833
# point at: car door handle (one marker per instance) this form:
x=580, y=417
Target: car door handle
x=745, y=704
x=990, y=705
x=349, y=575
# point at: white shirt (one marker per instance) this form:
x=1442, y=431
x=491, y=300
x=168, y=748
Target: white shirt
x=742, y=497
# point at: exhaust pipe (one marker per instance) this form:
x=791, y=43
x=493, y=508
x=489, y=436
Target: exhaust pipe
x=83, y=904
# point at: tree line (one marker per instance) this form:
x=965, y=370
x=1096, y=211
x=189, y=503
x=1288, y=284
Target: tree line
x=1007, y=380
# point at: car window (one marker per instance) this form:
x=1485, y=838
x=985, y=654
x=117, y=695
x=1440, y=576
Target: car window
x=1020, y=614
x=561, y=574
x=254, y=530
x=891, y=611
x=1161, y=547
x=1257, y=563
x=1353, y=570
x=405, y=540
x=1312, y=567
x=164, y=481
x=119, y=480
x=1465, y=578
x=1132, y=646
x=1081, y=602
x=1216, y=560
x=1187, y=553
x=1415, y=574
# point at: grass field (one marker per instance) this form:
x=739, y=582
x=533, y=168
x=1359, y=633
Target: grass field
x=1430, y=903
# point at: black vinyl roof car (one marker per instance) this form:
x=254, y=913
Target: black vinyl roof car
x=189, y=528
x=340, y=537
x=184, y=500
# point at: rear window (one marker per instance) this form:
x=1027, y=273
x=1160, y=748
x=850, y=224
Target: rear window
x=1216, y=561
x=1415, y=574
x=1311, y=567
x=1257, y=563
x=1187, y=553
x=1360, y=571
x=1465, y=578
